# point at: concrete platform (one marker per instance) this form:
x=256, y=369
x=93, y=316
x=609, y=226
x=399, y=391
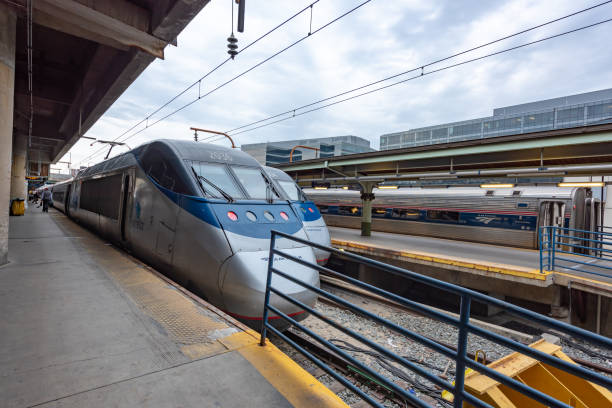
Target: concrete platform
x=84, y=324
x=491, y=261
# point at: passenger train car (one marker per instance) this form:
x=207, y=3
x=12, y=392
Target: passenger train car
x=314, y=224
x=200, y=213
x=506, y=216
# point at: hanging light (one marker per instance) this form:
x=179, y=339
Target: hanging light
x=496, y=185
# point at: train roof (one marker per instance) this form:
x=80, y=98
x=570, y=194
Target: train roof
x=182, y=149
x=536, y=191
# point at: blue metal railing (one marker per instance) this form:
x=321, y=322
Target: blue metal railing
x=575, y=249
x=463, y=325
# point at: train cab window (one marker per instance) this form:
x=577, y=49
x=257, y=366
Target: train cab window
x=292, y=190
x=215, y=177
x=405, y=214
x=442, y=215
x=490, y=193
x=254, y=182
x=516, y=193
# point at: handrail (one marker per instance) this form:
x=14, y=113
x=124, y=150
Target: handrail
x=462, y=324
x=585, y=244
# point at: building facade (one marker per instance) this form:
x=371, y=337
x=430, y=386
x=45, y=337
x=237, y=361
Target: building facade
x=271, y=153
x=569, y=111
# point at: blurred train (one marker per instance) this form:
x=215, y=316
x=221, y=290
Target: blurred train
x=200, y=213
x=505, y=216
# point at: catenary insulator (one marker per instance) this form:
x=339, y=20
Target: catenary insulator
x=232, y=45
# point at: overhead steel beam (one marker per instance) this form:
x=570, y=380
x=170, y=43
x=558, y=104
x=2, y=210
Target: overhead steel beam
x=74, y=18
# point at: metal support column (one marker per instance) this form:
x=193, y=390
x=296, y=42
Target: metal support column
x=8, y=20
x=366, y=208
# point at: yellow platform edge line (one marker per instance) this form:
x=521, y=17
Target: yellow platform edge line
x=294, y=383
x=479, y=265
x=583, y=278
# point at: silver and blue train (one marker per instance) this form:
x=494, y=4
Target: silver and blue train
x=314, y=224
x=201, y=214
x=504, y=216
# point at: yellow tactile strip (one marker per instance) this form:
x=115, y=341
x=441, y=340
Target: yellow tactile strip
x=200, y=331
x=513, y=270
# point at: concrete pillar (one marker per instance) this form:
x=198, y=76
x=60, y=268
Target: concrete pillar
x=8, y=22
x=366, y=208
x=18, y=169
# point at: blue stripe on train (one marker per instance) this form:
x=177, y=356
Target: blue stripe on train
x=215, y=214
x=307, y=209
x=509, y=221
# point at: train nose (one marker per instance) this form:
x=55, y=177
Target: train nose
x=244, y=283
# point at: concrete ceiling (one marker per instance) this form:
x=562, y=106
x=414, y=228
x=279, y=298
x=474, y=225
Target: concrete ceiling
x=85, y=54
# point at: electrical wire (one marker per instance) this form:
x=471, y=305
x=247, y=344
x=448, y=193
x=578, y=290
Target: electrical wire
x=427, y=65
x=199, y=80
x=386, y=364
x=294, y=112
x=235, y=77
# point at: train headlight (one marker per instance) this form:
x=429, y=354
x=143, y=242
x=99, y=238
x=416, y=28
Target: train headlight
x=232, y=216
x=310, y=209
x=251, y=216
x=284, y=216
x=268, y=215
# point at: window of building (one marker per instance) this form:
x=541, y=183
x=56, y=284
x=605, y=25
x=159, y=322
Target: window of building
x=602, y=111
x=570, y=115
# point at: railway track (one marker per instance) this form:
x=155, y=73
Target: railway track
x=521, y=337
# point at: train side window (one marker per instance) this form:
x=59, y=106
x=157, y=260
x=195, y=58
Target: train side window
x=323, y=209
x=443, y=215
x=405, y=214
x=379, y=212
x=101, y=195
x=348, y=210
x=158, y=164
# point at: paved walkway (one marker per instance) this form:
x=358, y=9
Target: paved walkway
x=85, y=325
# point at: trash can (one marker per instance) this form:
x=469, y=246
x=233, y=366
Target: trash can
x=17, y=207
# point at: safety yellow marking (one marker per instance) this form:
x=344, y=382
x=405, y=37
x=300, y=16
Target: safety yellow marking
x=518, y=271
x=299, y=387
x=582, y=278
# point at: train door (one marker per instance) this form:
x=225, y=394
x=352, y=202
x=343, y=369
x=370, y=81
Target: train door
x=552, y=214
x=126, y=195
x=592, y=221
x=67, y=200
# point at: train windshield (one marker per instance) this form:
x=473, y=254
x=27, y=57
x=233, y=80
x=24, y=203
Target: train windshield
x=257, y=186
x=216, y=180
x=293, y=191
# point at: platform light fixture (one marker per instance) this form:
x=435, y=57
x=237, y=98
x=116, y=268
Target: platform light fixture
x=496, y=185
x=320, y=188
x=388, y=187
x=582, y=184
x=345, y=187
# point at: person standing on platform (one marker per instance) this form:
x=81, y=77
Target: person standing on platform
x=46, y=198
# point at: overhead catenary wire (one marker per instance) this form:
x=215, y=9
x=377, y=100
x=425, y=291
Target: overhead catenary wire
x=421, y=73
x=199, y=80
x=200, y=96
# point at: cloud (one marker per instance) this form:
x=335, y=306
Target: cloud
x=380, y=39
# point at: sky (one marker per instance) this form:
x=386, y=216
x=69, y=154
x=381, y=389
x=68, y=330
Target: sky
x=380, y=39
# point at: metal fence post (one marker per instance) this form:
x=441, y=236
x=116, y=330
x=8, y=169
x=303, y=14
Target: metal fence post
x=554, y=243
x=541, y=242
x=464, y=317
x=264, y=322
